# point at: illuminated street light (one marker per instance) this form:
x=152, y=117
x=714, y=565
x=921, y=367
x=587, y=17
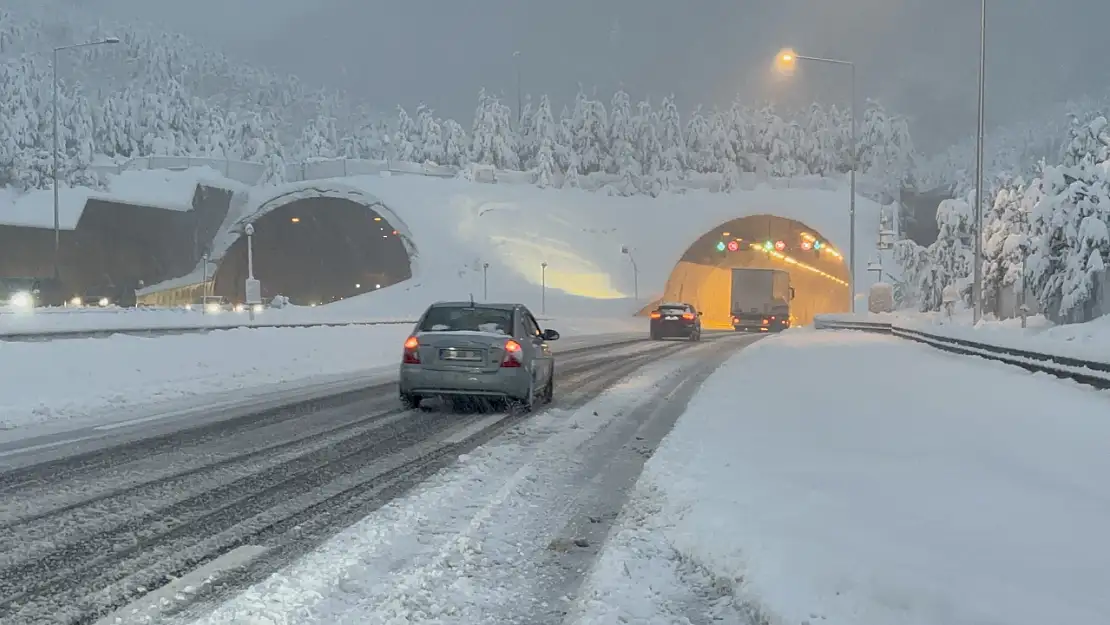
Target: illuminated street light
x=785, y=62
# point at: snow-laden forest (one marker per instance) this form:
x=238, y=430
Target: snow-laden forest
x=163, y=94
x=1045, y=233
x=156, y=94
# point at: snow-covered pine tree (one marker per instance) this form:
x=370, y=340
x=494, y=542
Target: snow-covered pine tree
x=1005, y=232
x=405, y=137
x=1070, y=239
x=589, y=135
x=1087, y=141
x=950, y=257
x=621, y=136
x=430, y=139
x=528, y=138
x=545, y=163
x=672, y=139
x=454, y=144
x=699, y=144
x=649, y=150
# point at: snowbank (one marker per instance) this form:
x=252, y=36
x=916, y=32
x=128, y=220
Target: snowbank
x=79, y=379
x=156, y=188
x=940, y=500
x=454, y=226
x=1086, y=341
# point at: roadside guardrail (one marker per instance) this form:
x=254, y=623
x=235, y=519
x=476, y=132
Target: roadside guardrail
x=1089, y=372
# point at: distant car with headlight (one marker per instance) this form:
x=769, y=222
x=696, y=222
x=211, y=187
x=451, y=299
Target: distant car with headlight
x=20, y=293
x=461, y=351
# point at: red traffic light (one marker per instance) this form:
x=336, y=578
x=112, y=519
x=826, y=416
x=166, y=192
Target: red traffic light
x=733, y=246
x=780, y=245
x=806, y=245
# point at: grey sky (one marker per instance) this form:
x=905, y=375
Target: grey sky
x=917, y=56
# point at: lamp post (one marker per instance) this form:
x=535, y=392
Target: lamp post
x=252, y=289
x=635, y=272
x=519, y=92
x=54, y=176
x=543, y=288
x=786, y=61
x=485, y=282
x=977, y=270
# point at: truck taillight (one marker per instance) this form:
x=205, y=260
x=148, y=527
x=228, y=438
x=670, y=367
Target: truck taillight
x=412, y=351
x=765, y=322
x=514, y=356
x=736, y=319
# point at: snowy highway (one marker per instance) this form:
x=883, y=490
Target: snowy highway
x=96, y=530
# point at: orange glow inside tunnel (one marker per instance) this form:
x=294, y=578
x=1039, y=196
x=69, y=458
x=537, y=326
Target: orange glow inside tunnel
x=704, y=275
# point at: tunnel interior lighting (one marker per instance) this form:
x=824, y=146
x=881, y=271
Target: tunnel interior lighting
x=377, y=219
x=295, y=220
x=726, y=234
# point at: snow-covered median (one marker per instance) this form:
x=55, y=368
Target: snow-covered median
x=60, y=383
x=849, y=479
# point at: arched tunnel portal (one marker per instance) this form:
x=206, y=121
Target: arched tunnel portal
x=316, y=250
x=818, y=272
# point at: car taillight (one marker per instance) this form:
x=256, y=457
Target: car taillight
x=412, y=351
x=655, y=315
x=688, y=316
x=513, y=354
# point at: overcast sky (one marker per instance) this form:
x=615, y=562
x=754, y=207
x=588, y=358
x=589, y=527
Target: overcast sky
x=917, y=56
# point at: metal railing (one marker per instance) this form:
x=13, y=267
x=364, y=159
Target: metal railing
x=1089, y=372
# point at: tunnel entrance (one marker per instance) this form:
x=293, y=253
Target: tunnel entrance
x=316, y=251
x=818, y=272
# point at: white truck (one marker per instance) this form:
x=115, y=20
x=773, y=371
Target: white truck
x=760, y=300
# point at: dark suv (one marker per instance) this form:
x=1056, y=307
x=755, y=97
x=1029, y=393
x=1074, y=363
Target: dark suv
x=675, y=320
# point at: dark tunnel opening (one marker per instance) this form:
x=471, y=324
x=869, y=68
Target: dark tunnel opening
x=316, y=251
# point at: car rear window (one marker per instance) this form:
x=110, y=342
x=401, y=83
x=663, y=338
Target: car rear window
x=460, y=319
x=672, y=311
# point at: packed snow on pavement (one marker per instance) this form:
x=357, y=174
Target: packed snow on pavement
x=65, y=382
x=472, y=544
x=844, y=478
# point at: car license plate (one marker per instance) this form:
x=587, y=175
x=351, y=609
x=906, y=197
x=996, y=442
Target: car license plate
x=460, y=354
x=670, y=318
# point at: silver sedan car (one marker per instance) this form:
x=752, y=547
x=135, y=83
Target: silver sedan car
x=463, y=350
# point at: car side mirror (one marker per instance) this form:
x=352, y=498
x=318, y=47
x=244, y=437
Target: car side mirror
x=791, y=292
x=700, y=313
x=550, y=335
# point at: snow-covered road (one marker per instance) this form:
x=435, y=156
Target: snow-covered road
x=852, y=479
x=507, y=535
x=236, y=499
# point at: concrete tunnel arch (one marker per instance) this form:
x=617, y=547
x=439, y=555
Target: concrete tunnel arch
x=702, y=275
x=317, y=246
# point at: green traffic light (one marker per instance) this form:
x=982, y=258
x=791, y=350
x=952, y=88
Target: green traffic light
x=767, y=245
x=721, y=246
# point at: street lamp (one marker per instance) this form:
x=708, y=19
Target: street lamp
x=786, y=61
x=252, y=288
x=635, y=272
x=485, y=282
x=54, y=70
x=543, y=288
x=977, y=270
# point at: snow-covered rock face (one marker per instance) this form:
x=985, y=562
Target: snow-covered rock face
x=492, y=241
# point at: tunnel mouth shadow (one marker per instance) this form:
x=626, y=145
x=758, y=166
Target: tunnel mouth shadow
x=316, y=251
x=702, y=276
